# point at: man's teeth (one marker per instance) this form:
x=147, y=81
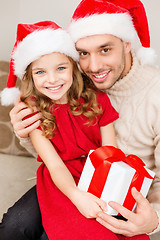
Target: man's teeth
x=101, y=76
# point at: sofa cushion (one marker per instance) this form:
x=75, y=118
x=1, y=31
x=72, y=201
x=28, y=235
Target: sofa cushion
x=9, y=143
x=17, y=176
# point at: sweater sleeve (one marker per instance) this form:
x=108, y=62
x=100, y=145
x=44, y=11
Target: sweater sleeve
x=153, y=110
x=27, y=144
x=154, y=193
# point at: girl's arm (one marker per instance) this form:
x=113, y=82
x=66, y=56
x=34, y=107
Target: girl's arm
x=58, y=171
x=86, y=203
x=108, y=135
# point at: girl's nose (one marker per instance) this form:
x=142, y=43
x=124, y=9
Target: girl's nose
x=52, y=78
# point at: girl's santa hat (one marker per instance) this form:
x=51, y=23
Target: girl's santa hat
x=124, y=19
x=33, y=41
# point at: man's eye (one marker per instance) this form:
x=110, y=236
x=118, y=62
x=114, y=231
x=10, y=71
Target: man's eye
x=83, y=53
x=105, y=50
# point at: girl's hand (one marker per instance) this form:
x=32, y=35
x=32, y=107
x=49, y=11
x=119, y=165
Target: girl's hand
x=88, y=204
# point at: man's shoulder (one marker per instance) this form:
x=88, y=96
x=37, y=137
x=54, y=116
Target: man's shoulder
x=152, y=77
x=151, y=71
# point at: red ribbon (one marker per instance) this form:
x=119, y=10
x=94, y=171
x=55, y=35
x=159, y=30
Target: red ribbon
x=102, y=159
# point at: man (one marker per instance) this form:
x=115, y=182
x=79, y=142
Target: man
x=114, y=49
x=113, y=41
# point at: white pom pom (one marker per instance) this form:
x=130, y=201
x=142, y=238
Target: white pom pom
x=9, y=96
x=147, y=56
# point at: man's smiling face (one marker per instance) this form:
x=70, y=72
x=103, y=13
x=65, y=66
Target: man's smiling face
x=103, y=58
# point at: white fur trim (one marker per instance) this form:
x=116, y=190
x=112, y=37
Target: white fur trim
x=146, y=56
x=9, y=96
x=40, y=43
x=119, y=25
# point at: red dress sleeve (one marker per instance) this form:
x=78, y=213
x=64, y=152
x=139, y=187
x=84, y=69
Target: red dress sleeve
x=109, y=113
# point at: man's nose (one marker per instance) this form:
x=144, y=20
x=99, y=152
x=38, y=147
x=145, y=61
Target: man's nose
x=94, y=64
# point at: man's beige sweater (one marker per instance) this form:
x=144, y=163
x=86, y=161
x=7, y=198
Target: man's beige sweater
x=137, y=99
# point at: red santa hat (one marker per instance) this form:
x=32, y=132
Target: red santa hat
x=33, y=41
x=124, y=19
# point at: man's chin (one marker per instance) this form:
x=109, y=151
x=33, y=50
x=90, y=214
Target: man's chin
x=102, y=86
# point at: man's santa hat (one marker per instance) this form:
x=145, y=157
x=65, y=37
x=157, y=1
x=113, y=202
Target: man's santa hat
x=33, y=41
x=124, y=19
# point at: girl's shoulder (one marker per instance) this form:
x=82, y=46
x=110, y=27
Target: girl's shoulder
x=102, y=98
x=101, y=94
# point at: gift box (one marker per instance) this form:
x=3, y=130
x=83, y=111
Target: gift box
x=110, y=175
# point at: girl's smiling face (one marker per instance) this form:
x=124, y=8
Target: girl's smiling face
x=53, y=76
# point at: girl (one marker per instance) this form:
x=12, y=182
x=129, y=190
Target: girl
x=76, y=118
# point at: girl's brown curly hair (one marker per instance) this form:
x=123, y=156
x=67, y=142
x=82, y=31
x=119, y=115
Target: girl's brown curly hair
x=79, y=88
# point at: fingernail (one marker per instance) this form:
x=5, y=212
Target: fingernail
x=105, y=209
x=98, y=220
x=100, y=214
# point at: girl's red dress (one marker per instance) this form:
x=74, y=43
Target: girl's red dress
x=73, y=140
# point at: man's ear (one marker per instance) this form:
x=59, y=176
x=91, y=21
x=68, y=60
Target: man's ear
x=127, y=46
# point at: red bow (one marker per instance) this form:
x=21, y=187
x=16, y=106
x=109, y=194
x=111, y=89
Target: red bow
x=102, y=159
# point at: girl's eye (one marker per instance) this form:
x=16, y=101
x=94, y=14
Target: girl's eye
x=40, y=72
x=61, y=68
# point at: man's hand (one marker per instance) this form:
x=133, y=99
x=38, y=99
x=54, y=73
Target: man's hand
x=22, y=126
x=144, y=220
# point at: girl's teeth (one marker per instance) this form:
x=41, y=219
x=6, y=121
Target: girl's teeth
x=54, y=88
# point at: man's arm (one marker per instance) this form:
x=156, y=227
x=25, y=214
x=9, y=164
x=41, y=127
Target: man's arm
x=143, y=221
x=146, y=217
x=23, y=127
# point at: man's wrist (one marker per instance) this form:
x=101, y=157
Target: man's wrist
x=157, y=227
x=22, y=139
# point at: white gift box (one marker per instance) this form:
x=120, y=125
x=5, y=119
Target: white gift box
x=117, y=184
